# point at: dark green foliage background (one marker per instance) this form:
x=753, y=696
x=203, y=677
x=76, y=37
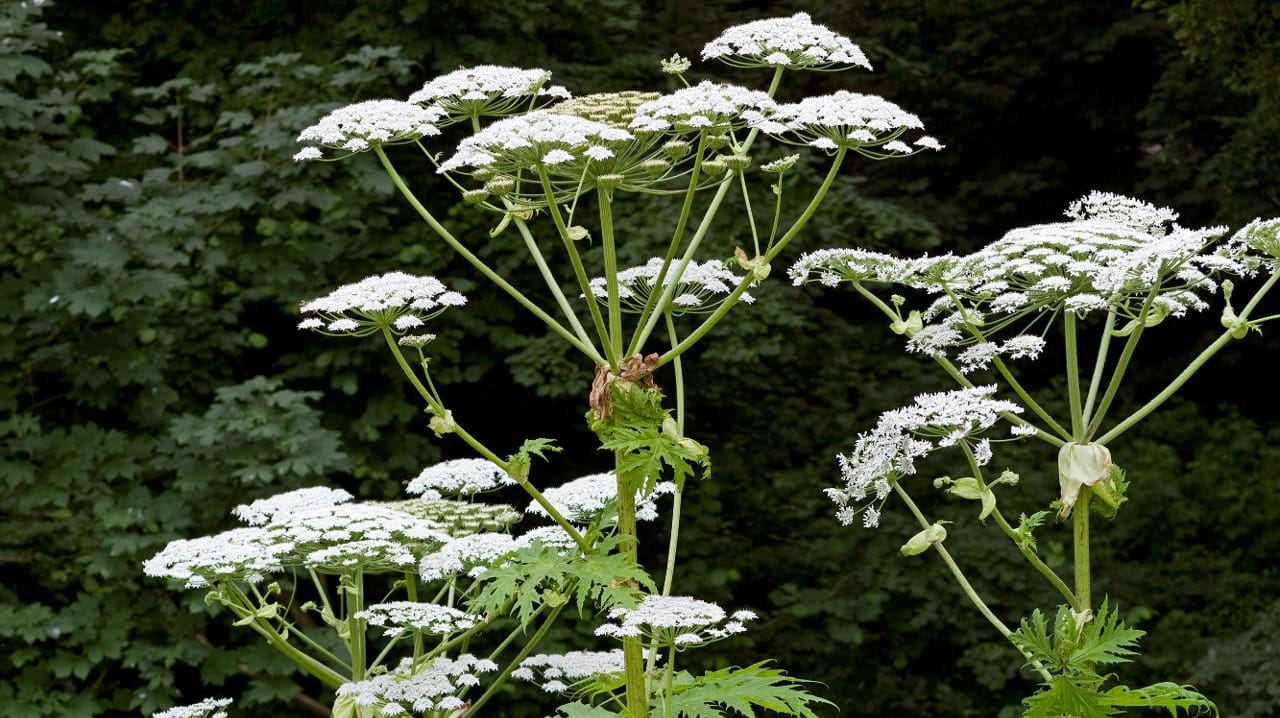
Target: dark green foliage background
x=155, y=239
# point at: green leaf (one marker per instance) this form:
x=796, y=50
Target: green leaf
x=741, y=691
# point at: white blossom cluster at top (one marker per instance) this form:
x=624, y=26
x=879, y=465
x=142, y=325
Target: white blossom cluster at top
x=702, y=286
x=487, y=90
x=405, y=692
x=681, y=621
x=557, y=672
x=397, y=301
x=207, y=708
x=583, y=500
x=704, y=106
x=459, y=477
x=264, y=511
x=901, y=436
x=537, y=138
x=398, y=617
x=358, y=127
x=794, y=42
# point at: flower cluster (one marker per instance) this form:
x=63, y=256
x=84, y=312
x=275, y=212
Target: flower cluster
x=867, y=124
x=551, y=536
x=244, y=554
x=610, y=108
x=487, y=90
x=356, y=128
x=551, y=671
x=701, y=287
x=264, y=511
x=459, y=477
x=679, y=621
x=396, y=301
x=708, y=106
x=398, y=617
x=832, y=266
x=207, y=708
x=368, y=536
x=404, y=691
x=586, y=499
x=470, y=555
x=794, y=42
x=890, y=450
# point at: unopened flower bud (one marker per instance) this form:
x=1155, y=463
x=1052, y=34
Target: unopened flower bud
x=655, y=166
x=921, y=542
x=677, y=64
x=715, y=142
x=737, y=163
x=675, y=149
x=442, y=425
x=781, y=165
x=500, y=185
x=609, y=182
x=474, y=196
x=909, y=326
x=483, y=174
x=715, y=166
x=1080, y=465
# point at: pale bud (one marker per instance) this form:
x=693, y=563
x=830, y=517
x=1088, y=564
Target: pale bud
x=1080, y=465
x=921, y=542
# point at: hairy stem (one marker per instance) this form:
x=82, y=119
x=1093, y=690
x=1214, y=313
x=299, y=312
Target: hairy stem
x=1080, y=547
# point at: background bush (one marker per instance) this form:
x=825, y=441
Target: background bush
x=157, y=238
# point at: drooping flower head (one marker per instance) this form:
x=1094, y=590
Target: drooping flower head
x=794, y=42
x=680, y=621
x=359, y=127
x=459, y=477
x=488, y=91
x=207, y=708
x=586, y=499
x=406, y=691
x=716, y=108
x=400, y=617
x=396, y=301
x=867, y=124
x=701, y=288
x=556, y=673
x=890, y=450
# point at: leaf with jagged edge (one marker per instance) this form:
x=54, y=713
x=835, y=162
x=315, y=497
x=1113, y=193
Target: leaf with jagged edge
x=1169, y=696
x=583, y=710
x=1064, y=699
x=739, y=691
x=1105, y=640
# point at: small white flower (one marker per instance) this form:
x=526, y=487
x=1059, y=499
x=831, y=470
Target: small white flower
x=398, y=617
x=282, y=506
x=703, y=106
x=486, y=90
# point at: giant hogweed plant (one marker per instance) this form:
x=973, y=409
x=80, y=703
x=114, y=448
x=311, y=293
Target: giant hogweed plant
x=1117, y=269
x=440, y=574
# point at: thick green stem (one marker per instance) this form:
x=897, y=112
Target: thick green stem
x=411, y=591
x=356, y=626
x=1080, y=547
x=1099, y=364
x=1186, y=374
x=479, y=264
x=1073, y=375
x=710, y=322
x=605, y=201
x=436, y=406
x=579, y=271
x=964, y=582
x=632, y=646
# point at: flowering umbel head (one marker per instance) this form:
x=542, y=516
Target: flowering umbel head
x=395, y=301
x=363, y=125
x=795, y=43
x=867, y=124
x=701, y=287
x=488, y=91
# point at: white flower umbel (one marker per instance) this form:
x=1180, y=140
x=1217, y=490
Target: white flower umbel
x=371, y=537
x=831, y=266
x=405, y=692
x=701, y=288
x=398, y=617
x=585, y=499
x=979, y=356
x=470, y=555
x=356, y=128
x=551, y=536
x=575, y=153
x=488, y=91
x=707, y=106
x=794, y=42
x=889, y=451
x=396, y=301
x=460, y=477
x=265, y=510
x=207, y=708
x=679, y=621
x=557, y=672
x=867, y=124
x=244, y=554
